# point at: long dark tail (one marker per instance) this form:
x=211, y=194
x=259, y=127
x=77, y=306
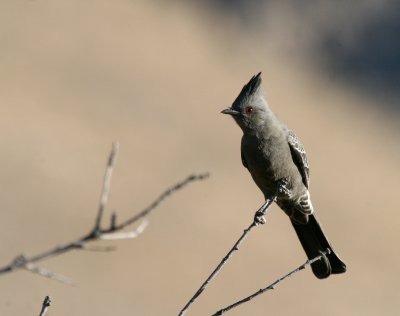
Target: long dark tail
x=313, y=240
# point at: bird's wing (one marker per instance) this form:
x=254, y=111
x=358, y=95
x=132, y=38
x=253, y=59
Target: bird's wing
x=299, y=157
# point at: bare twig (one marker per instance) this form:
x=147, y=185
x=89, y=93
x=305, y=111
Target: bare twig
x=106, y=185
x=113, y=232
x=45, y=305
x=98, y=248
x=48, y=274
x=258, y=219
x=161, y=198
x=272, y=285
x=126, y=235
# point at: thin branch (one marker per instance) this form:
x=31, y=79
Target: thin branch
x=106, y=185
x=48, y=274
x=126, y=235
x=45, y=305
x=98, y=233
x=98, y=248
x=161, y=198
x=258, y=219
x=272, y=285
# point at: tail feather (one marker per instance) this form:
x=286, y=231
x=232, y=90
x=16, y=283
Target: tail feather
x=313, y=240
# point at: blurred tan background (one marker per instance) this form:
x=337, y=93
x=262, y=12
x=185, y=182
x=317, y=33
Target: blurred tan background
x=154, y=75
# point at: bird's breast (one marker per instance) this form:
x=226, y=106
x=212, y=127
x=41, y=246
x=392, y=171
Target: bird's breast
x=267, y=161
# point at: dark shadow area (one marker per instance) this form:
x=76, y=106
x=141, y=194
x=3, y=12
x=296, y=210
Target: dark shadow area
x=242, y=9
x=372, y=60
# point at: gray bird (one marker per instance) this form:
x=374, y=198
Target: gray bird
x=271, y=152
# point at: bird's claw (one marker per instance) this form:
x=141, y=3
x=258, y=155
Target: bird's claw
x=259, y=218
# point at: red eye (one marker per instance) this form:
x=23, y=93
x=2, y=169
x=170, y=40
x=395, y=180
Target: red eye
x=248, y=109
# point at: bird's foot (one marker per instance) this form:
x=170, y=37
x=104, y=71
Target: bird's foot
x=259, y=218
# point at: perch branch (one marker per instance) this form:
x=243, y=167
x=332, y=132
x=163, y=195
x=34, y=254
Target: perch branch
x=113, y=232
x=272, y=285
x=258, y=219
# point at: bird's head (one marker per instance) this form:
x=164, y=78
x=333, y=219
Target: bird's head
x=250, y=108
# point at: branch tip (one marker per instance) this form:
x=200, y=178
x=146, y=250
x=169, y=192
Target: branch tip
x=45, y=305
x=106, y=186
x=113, y=221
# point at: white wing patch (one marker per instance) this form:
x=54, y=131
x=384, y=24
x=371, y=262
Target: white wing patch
x=305, y=203
x=299, y=157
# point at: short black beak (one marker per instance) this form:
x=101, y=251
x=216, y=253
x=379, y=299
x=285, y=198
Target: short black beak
x=230, y=111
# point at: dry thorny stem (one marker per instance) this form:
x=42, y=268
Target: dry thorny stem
x=258, y=219
x=45, y=305
x=272, y=285
x=113, y=232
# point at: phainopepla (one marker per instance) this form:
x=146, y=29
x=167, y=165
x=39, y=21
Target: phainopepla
x=271, y=152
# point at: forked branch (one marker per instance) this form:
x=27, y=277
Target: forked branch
x=113, y=232
x=272, y=285
x=258, y=219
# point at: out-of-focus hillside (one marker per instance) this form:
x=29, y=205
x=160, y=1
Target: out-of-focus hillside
x=74, y=76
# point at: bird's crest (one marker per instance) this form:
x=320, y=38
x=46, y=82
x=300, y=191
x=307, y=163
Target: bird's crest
x=251, y=87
